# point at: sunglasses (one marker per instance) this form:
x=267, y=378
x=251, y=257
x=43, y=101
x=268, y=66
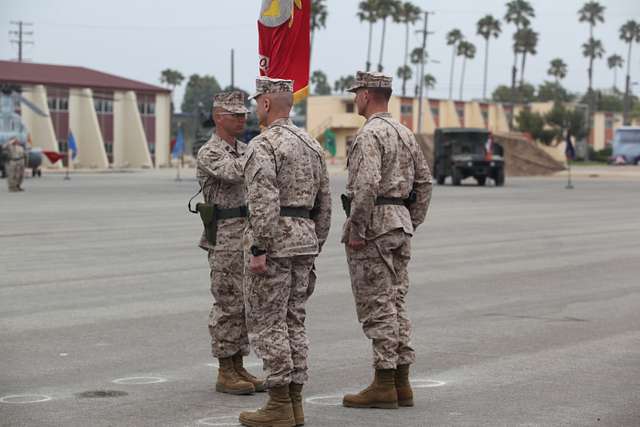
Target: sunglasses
x=236, y=115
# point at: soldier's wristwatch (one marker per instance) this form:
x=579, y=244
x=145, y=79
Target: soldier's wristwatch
x=256, y=251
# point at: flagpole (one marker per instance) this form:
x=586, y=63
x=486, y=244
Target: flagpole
x=570, y=154
x=66, y=174
x=569, y=184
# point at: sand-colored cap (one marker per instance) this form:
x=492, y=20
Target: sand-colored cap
x=232, y=101
x=268, y=85
x=366, y=79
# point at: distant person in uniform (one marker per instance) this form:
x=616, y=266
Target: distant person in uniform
x=387, y=197
x=15, y=164
x=289, y=218
x=219, y=171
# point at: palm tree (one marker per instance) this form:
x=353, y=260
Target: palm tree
x=527, y=41
x=592, y=49
x=429, y=83
x=344, y=83
x=518, y=13
x=629, y=33
x=318, y=17
x=408, y=14
x=404, y=73
x=592, y=12
x=416, y=58
x=557, y=69
x=468, y=51
x=454, y=38
x=172, y=78
x=487, y=27
x=319, y=79
x=614, y=62
x=367, y=12
x=386, y=9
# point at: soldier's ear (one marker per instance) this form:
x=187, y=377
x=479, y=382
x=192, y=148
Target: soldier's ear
x=267, y=104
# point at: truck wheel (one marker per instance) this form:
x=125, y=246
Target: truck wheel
x=456, y=176
x=482, y=180
x=440, y=179
x=499, y=178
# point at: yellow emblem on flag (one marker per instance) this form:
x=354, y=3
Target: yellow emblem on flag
x=273, y=10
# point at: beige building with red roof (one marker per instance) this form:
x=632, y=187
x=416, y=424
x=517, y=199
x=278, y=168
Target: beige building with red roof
x=115, y=121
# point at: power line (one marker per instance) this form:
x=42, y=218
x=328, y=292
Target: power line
x=20, y=34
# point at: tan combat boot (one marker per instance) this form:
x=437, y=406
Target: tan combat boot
x=229, y=381
x=278, y=412
x=258, y=384
x=403, y=386
x=380, y=394
x=295, y=391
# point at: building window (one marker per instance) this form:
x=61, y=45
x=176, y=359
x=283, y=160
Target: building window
x=63, y=104
x=435, y=111
x=53, y=104
x=406, y=109
x=608, y=123
x=151, y=109
x=99, y=104
x=485, y=116
x=460, y=112
x=350, y=107
x=141, y=107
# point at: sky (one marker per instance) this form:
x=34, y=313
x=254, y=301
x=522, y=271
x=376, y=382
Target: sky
x=137, y=39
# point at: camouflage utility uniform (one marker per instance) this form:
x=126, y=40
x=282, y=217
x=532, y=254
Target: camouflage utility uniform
x=290, y=214
x=385, y=164
x=219, y=172
x=15, y=166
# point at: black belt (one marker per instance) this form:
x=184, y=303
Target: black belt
x=17, y=159
x=295, y=212
x=390, y=201
x=227, y=213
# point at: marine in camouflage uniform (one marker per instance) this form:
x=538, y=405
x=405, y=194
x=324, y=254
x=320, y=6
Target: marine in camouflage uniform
x=219, y=170
x=389, y=188
x=15, y=165
x=289, y=218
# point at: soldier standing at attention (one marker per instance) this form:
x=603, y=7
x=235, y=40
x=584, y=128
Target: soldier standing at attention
x=15, y=166
x=219, y=171
x=388, y=194
x=289, y=218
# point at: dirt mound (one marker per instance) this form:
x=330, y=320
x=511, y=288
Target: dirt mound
x=522, y=156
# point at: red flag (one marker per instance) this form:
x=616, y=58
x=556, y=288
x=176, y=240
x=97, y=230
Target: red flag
x=52, y=156
x=488, y=148
x=284, y=45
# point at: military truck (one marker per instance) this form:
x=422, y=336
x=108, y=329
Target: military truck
x=467, y=152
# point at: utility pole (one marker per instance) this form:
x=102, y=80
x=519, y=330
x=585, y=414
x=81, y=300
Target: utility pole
x=424, y=32
x=232, y=71
x=20, y=33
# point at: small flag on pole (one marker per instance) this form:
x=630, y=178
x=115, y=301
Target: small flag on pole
x=178, y=148
x=284, y=42
x=569, y=150
x=53, y=156
x=488, y=148
x=71, y=143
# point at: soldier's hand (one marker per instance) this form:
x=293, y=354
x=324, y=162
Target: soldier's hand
x=258, y=264
x=356, y=245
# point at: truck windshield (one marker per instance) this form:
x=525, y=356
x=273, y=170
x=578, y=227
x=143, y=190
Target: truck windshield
x=628, y=136
x=467, y=142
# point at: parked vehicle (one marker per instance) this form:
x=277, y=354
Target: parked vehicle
x=467, y=152
x=626, y=146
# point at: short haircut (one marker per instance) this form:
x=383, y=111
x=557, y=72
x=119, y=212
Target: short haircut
x=380, y=94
